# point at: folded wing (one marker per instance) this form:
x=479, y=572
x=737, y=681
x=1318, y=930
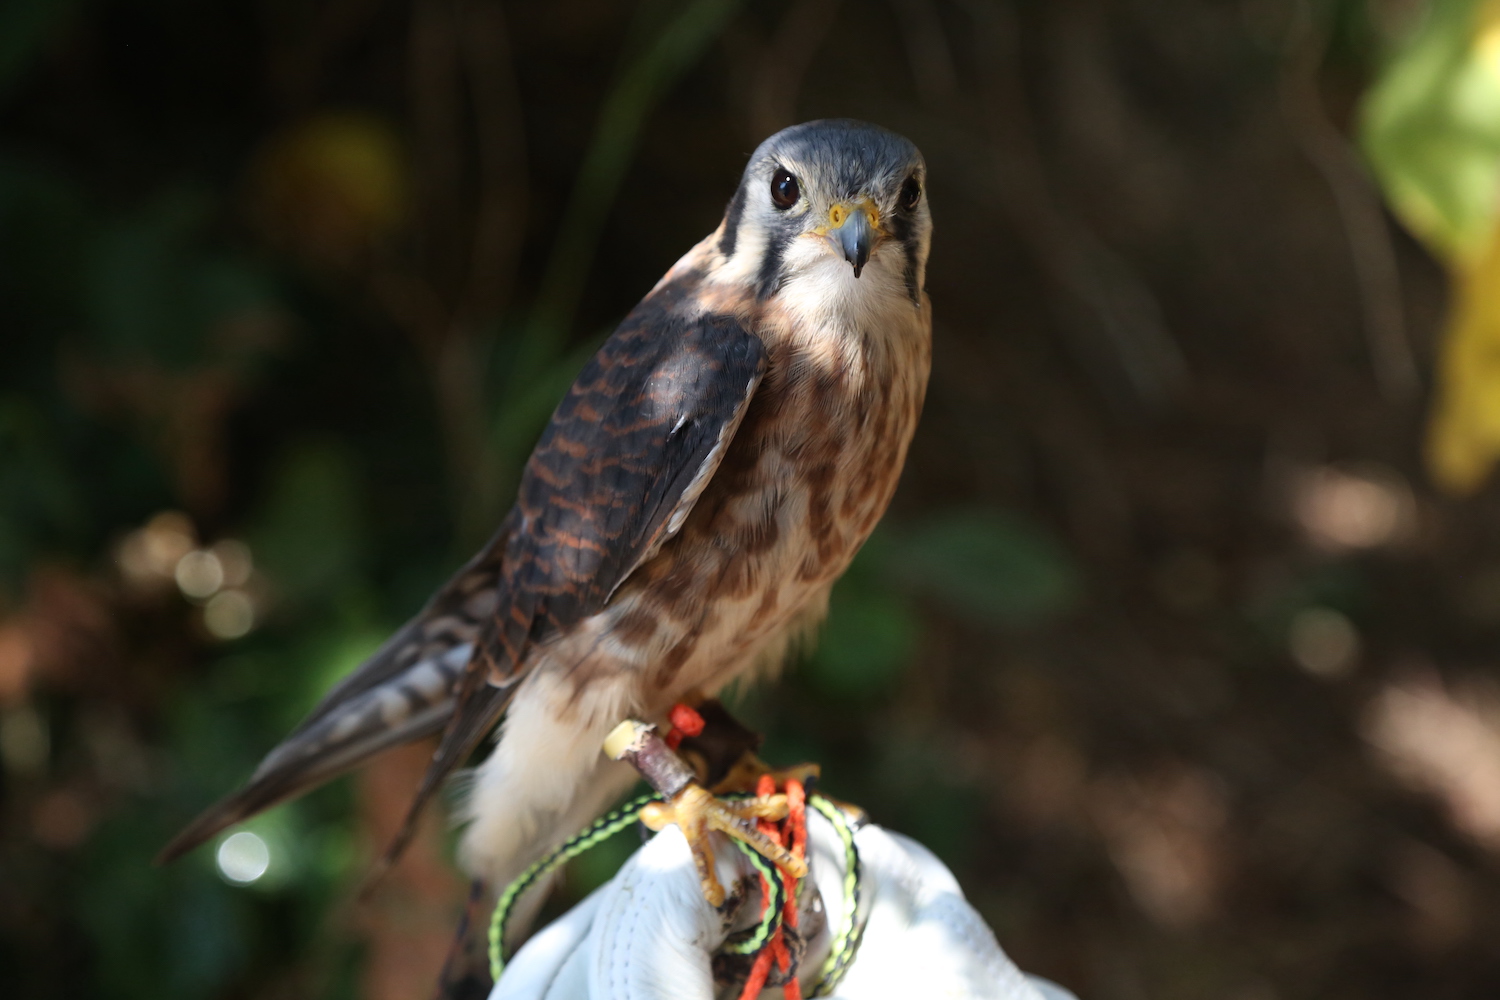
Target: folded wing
x=625, y=456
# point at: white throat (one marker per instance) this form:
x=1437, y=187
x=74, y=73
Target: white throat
x=821, y=291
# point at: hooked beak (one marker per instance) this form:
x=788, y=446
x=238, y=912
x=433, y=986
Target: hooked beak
x=852, y=230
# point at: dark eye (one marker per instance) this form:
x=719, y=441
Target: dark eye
x=784, y=190
x=911, y=193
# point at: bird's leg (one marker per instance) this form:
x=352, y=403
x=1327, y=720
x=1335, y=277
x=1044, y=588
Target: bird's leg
x=695, y=810
x=721, y=750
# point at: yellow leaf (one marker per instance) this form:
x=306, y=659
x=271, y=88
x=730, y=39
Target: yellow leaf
x=1464, y=435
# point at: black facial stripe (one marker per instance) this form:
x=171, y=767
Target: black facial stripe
x=838, y=160
x=732, y=222
x=911, y=247
x=770, y=277
x=900, y=225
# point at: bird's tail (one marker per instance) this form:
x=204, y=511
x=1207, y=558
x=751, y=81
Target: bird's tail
x=308, y=759
x=404, y=692
x=466, y=971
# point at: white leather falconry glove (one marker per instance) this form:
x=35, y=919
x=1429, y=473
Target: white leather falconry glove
x=648, y=934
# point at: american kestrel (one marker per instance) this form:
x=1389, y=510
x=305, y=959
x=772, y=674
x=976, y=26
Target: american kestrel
x=708, y=477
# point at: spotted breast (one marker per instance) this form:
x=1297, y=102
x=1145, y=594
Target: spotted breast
x=804, y=480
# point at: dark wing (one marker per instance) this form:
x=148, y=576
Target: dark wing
x=627, y=453
x=402, y=693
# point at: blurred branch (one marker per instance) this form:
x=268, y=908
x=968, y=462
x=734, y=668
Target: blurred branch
x=782, y=67
x=458, y=51
x=541, y=369
x=407, y=919
x=642, y=84
x=1359, y=208
x=485, y=49
x=496, y=243
x=1110, y=315
x=926, y=49
x=436, y=94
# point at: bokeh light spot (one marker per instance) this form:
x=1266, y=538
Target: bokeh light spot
x=1343, y=509
x=243, y=857
x=229, y=614
x=1444, y=742
x=235, y=560
x=148, y=557
x=199, y=574
x=166, y=539
x=25, y=742
x=1324, y=642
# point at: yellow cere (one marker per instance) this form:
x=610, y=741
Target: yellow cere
x=840, y=212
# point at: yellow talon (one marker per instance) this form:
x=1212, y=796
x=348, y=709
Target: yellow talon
x=696, y=813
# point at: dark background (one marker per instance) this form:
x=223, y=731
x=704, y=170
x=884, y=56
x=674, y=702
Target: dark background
x=1167, y=646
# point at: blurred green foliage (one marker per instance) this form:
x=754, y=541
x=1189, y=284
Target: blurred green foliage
x=308, y=533
x=39, y=507
x=991, y=568
x=1431, y=126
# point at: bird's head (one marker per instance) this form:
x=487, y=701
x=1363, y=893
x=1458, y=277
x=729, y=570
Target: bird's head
x=837, y=205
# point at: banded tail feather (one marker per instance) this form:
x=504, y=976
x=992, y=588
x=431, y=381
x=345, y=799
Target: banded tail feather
x=403, y=692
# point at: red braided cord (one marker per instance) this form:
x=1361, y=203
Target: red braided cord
x=758, y=973
x=796, y=832
x=761, y=968
x=790, y=833
x=766, y=785
x=796, y=805
x=790, y=989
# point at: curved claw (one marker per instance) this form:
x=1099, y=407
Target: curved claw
x=696, y=812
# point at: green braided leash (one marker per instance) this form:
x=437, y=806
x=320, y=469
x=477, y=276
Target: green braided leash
x=845, y=941
x=594, y=834
x=770, y=916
